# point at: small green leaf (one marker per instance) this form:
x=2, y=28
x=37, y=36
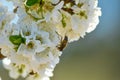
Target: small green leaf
x=17, y=39
x=31, y=2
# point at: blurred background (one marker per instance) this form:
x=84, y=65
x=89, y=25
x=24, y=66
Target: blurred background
x=97, y=56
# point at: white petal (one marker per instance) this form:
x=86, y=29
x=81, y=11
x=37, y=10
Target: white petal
x=60, y=5
x=54, y=1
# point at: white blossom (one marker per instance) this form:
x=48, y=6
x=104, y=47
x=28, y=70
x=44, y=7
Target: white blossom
x=79, y=19
x=30, y=35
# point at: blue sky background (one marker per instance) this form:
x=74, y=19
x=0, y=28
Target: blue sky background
x=96, y=57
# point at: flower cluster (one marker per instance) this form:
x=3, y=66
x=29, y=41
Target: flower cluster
x=34, y=34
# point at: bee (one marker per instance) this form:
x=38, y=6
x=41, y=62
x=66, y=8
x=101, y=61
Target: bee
x=63, y=44
x=15, y=9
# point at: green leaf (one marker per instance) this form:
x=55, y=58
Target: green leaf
x=31, y=2
x=17, y=39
